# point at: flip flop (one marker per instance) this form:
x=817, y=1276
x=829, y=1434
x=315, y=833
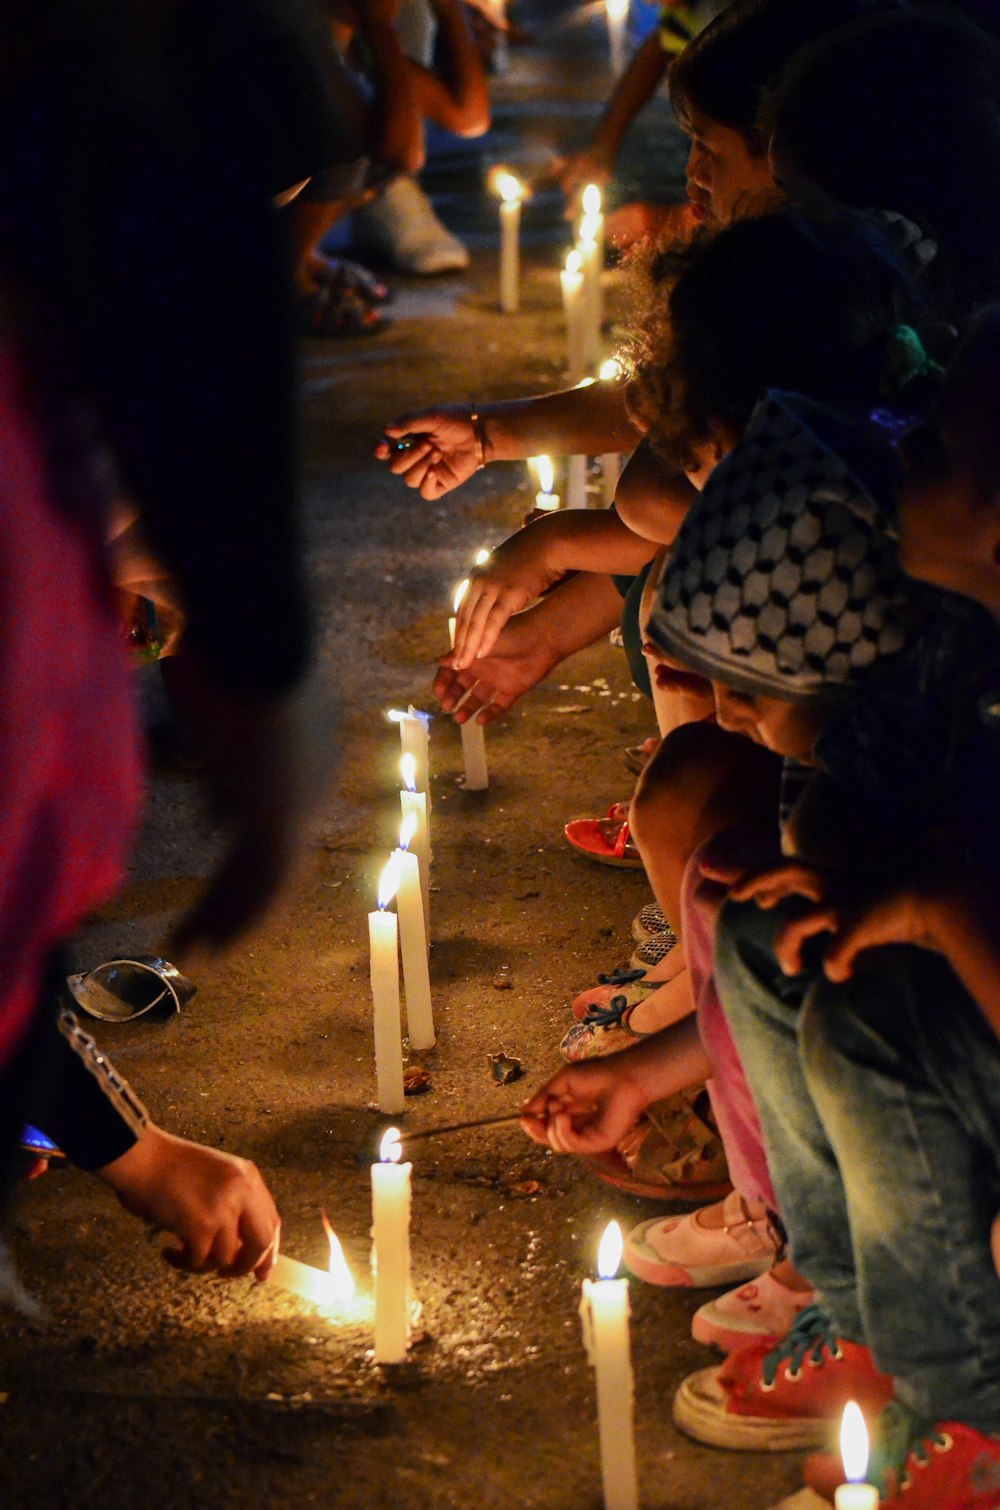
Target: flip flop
x=606, y=840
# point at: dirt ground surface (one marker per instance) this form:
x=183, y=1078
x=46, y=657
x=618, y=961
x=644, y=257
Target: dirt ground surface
x=146, y=1389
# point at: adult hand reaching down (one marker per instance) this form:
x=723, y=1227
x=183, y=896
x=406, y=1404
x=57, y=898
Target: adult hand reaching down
x=215, y=1206
x=433, y=450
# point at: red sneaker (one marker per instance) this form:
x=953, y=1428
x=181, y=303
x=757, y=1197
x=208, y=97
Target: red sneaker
x=920, y=1467
x=791, y=1396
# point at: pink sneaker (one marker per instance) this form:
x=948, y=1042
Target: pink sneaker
x=762, y=1310
x=681, y=1250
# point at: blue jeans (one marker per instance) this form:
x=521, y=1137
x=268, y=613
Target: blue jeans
x=880, y=1105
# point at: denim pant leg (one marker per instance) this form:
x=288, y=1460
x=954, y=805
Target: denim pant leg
x=905, y=1075
x=763, y=1007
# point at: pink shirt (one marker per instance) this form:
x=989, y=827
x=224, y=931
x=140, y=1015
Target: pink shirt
x=69, y=744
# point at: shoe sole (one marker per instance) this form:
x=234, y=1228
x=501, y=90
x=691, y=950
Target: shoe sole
x=656, y=1271
x=702, y=1419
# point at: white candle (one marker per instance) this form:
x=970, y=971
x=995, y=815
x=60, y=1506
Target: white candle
x=591, y=261
x=511, y=193
x=604, y=1311
x=571, y=279
x=414, y=804
x=547, y=502
x=331, y=1288
x=500, y=60
x=391, y=1251
x=854, y=1495
x=477, y=776
x=617, y=19
x=382, y=936
x=414, y=739
x=540, y=469
x=413, y=942
x=593, y=217
x=576, y=482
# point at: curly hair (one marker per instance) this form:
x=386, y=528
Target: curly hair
x=780, y=301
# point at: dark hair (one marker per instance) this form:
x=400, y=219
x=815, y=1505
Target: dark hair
x=779, y=301
x=723, y=71
x=902, y=112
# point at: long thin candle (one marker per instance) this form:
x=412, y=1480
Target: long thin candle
x=412, y=802
x=604, y=1310
x=382, y=936
x=477, y=775
x=413, y=942
x=391, y=1251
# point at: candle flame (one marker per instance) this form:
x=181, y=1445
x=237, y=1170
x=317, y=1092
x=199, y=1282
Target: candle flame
x=341, y=1278
x=408, y=769
x=544, y=471
x=617, y=9
x=609, y=1254
x=611, y=371
x=460, y=591
x=387, y=882
x=509, y=188
x=482, y=557
x=854, y=1443
x=591, y=200
x=395, y=715
x=407, y=829
x=390, y=1149
x=574, y=262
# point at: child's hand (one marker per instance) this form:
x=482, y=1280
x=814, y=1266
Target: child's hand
x=585, y=1109
x=904, y=917
x=444, y=452
x=520, y=659
x=216, y=1206
x=513, y=577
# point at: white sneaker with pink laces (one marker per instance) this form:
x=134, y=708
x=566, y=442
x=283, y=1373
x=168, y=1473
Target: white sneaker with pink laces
x=684, y=1251
x=762, y=1309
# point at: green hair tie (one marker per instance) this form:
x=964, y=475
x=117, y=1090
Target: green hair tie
x=906, y=358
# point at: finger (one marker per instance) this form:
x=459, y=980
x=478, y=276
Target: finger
x=475, y=622
x=794, y=935
x=409, y=424
x=480, y=589
x=225, y=1250
x=501, y=611
x=769, y=887
x=537, y=1128
x=867, y=933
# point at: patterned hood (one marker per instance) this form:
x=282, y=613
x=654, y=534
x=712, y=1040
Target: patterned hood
x=783, y=581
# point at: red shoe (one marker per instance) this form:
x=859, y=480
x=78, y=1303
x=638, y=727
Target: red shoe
x=792, y=1396
x=921, y=1467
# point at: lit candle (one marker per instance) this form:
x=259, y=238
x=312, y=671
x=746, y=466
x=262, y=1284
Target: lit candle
x=855, y=1494
x=477, y=776
x=382, y=936
x=414, y=739
x=617, y=18
x=593, y=216
x=545, y=499
x=331, y=1288
x=391, y=1251
x=604, y=1310
x=511, y=192
x=571, y=279
x=412, y=802
x=591, y=257
x=413, y=941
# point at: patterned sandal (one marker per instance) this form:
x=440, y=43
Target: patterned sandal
x=672, y=1154
x=631, y=981
x=605, y=1029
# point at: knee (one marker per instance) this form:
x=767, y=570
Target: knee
x=669, y=792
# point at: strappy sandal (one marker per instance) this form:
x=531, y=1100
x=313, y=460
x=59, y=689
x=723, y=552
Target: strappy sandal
x=329, y=310
x=631, y=982
x=606, y=840
x=606, y=1028
x=672, y=1154
x=341, y=272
